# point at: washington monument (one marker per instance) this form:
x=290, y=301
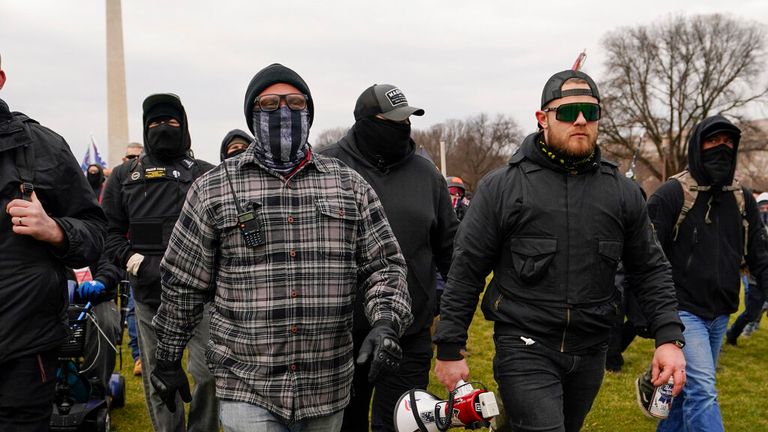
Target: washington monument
x=117, y=105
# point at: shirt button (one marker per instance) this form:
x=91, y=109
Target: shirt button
x=290, y=219
x=292, y=253
x=294, y=294
x=293, y=367
x=341, y=212
x=295, y=329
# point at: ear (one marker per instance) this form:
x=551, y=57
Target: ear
x=2, y=78
x=541, y=117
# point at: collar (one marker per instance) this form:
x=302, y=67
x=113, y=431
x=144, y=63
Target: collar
x=248, y=157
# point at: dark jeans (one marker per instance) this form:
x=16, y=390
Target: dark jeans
x=413, y=373
x=26, y=392
x=543, y=389
x=130, y=319
x=753, y=309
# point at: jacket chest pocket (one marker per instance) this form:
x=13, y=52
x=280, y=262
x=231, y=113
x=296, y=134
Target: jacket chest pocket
x=336, y=228
x=532, y=257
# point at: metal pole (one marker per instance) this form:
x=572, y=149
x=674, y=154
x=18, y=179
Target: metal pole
x=443, y=169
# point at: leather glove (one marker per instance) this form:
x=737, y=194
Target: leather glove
x=382, y=347
x=133, y=264
x=169, y=378
x=90, y=291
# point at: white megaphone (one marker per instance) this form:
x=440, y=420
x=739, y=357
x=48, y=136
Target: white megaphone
x=421, y=411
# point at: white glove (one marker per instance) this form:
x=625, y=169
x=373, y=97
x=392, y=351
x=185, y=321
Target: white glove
x=133, y=264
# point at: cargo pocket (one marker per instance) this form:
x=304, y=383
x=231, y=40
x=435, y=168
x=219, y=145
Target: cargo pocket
x=531, y=257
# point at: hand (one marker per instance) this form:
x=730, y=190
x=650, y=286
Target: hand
x=169, y=378
x=668, y=360
x=29, y=218
x=90, y=290
x=449, y=372
x=133, y=264
x=382, y=344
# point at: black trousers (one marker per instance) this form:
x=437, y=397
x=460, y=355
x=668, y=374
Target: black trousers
x=27, y=391
x=544, y=389
x=413, y=373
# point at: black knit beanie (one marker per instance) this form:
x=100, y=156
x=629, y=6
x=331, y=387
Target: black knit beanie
x=275, y=73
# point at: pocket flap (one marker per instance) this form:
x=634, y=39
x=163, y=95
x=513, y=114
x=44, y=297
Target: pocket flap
x=533, y=246
x=338, y=208
x=609, y=249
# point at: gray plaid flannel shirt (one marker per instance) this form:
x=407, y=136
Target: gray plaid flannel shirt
x=281, y=318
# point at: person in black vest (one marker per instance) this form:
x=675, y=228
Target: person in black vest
x=380, y=148
x=142, y=200
x=552, y=226
x=50, y=221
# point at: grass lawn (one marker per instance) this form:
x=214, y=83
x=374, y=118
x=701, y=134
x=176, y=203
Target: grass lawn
x=742, y=382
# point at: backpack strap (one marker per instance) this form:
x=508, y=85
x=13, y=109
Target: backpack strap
x=738, y=193
x=690, y=192
x=25, y=160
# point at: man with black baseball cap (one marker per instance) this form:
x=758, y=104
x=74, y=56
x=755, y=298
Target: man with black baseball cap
x=282, y=240
x=708, y=226
x=552, y=226
x=142, y=200
x=380, y=148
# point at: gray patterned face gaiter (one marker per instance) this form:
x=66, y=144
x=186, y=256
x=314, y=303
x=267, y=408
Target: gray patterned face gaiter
x=281, y=138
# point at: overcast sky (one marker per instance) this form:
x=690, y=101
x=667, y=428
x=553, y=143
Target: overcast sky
x=451, y=58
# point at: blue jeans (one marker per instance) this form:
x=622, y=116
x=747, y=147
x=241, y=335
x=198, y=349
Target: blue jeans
x=696, y=408
x=544, y=389
x=245, y=417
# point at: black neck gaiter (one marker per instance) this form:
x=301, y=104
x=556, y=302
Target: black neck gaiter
x=718, y=163
x=564, y=161
x=164, y=141
x=382, y=142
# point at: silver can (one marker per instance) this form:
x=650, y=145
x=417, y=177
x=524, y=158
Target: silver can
x=661, y=400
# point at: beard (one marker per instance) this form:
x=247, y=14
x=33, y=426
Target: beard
x=575, y=151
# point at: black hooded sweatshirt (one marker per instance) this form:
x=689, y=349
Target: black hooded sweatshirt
x=706, y=257
x=415, y=198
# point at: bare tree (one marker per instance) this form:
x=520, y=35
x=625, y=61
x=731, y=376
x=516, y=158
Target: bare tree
x=328, y=137
x=664, y=78
x=474, y=146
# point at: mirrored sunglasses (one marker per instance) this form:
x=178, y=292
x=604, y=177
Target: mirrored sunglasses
x=570, y=112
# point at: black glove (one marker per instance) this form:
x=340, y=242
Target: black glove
x=168, y=378
x=381, y=343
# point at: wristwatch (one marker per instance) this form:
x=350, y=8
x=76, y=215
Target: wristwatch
x=680, y=344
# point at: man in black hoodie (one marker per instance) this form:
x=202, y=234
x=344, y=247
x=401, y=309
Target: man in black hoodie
x=415, y=198
x=552, y=225
x=235, y=142
x=706, y=249
x=143, y=199
x=50, y=221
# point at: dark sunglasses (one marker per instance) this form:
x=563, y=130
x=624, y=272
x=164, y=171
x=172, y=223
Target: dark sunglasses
x=570, y=112
x=271, y=102
x=132, y=156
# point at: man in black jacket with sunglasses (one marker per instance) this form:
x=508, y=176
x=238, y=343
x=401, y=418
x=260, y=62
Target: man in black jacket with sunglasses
x=552, y=226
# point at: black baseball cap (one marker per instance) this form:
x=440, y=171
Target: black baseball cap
x=387, y=100
x=552, y=89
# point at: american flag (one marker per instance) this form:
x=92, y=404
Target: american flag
x=577, y=65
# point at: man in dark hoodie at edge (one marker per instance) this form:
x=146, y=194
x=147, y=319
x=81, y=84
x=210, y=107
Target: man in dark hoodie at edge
x=235, y=142
x=418, y=206
x=142, y=200
x=706, y=251
x=50, y=221
x=552, y=225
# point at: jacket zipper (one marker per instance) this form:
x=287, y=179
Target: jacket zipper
x=565, y=330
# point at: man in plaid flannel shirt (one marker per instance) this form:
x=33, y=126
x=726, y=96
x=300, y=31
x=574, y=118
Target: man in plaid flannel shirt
x=281, y=240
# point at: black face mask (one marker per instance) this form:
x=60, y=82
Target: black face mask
x=164, y=141
x=382, y=140
x=94, y=179
x=718, y=163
